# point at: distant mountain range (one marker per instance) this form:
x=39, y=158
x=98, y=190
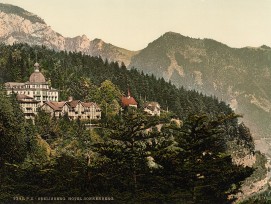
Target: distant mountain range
x=241, y=77
x=19, y=25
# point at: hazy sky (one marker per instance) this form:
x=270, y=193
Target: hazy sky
x=132, y=24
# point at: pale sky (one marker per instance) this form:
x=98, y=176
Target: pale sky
x=132, y=24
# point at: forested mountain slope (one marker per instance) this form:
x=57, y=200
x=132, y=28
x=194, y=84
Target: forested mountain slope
x=240, y=77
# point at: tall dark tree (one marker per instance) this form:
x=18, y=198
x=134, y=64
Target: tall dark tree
x=12, y=133
x=201, y=169
x=126, y=154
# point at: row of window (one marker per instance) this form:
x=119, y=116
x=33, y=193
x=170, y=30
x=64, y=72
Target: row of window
x=82, y=112
x=28, y=104
x=87, y=117
x=52, y=98
x=28, y=110
x=44, y=93
x=37, y=86
x=54, y=94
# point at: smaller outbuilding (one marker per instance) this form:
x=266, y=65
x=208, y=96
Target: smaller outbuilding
x=128, y=101
x=152, y=108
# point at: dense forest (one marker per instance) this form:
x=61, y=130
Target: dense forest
x=74, y=73
x=130, y=157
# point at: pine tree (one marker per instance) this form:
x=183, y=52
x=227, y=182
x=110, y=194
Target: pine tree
x=126, y=154
x=204, y=170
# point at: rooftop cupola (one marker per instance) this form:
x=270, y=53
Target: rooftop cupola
x=37, y=67
x=37, y=76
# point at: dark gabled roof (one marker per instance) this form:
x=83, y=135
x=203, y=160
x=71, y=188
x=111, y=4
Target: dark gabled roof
x=151, y=105
x=89, y=104
x=56, y=106
x=73, y=103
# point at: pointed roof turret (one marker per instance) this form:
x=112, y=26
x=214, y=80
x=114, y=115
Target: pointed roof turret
x=128, y=93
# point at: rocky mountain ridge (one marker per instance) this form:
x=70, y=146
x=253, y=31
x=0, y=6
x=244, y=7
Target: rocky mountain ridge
x=241, y=77
x=20, y=26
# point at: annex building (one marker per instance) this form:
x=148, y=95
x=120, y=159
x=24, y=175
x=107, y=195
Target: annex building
x=74, y=109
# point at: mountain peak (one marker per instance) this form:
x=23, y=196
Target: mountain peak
x=171, y=34
x=265, y=47
x=11, y=9
x=97, y=40
x=84, y=36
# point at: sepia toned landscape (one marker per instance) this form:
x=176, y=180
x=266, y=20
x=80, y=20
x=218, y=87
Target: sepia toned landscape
x=181, y=120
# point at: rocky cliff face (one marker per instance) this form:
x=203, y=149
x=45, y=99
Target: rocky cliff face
x=20, y=26
x=241, y=77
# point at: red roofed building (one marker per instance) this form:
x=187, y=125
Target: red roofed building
x=128, y=101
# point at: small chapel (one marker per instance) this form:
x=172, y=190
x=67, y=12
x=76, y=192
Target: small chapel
x=128, y=101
